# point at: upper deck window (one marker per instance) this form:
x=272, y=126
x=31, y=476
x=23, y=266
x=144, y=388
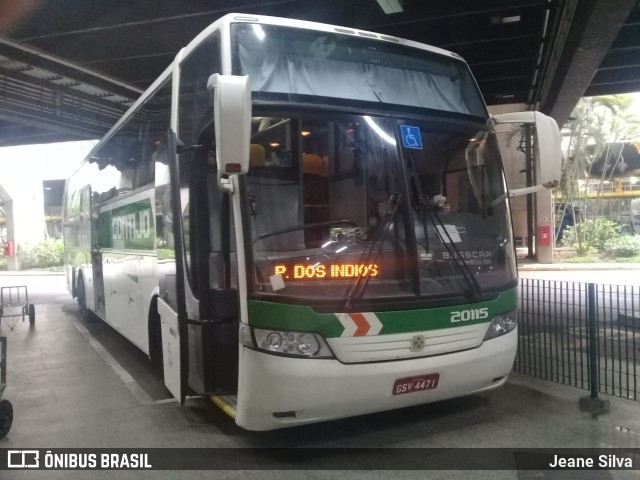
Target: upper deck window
x=295, y=61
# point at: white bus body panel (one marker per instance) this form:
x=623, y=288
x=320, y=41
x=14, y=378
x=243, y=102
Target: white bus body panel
x=170, y=347
x=320, y=390
x=130, y=279
x=89, y=292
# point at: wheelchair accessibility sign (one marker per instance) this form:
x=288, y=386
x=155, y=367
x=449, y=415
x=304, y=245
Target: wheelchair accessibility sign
x=411, y=137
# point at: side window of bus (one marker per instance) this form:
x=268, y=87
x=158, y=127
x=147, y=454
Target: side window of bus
x=195, y=108
x=126, y=160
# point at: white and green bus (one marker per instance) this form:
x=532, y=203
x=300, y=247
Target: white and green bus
x=303, y=221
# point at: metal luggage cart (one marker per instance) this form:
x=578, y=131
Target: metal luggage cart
x=14, y=303
x=6, y=409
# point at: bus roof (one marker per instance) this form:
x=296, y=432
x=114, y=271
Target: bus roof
x=323, y=27
x=223, y=24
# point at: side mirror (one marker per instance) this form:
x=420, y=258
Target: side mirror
x=232, y=114
x=548, y=155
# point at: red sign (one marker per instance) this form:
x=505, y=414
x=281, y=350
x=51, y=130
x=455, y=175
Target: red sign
x=544, y=232
x=9, y=250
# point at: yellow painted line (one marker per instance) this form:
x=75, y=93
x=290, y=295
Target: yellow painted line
x=224, y=406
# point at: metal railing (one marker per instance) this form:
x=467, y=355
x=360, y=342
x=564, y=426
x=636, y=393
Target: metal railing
x=566, y=327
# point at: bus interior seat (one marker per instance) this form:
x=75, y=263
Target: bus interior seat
x=257, y=155
x=314, y=164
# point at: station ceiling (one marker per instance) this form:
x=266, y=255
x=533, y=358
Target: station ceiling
x=70, y=68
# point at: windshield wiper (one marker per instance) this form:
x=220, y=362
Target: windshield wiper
x=428, y=209
x=364, y=275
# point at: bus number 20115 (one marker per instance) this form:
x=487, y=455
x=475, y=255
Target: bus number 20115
x=471, y=314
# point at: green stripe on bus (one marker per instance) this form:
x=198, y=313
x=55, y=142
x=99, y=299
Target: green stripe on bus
x=279, y=316
x=131, y=226
x=293, y=317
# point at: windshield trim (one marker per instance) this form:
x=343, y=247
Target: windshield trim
x=383, y=304
x=355, y=107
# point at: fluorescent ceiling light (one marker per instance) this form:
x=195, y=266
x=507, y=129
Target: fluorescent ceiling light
x=376, y=128
x=503, y=20
x=391, y=6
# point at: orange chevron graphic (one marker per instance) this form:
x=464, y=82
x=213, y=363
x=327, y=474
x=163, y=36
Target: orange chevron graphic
x=359, y=324
x=362, y=324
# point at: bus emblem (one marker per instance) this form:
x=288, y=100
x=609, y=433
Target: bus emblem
x=417, y=343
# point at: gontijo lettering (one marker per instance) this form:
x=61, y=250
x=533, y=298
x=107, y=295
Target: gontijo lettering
x=132, y=225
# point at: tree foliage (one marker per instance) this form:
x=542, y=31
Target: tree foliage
x=48, y=253
x=596, y=133
x=597, y=233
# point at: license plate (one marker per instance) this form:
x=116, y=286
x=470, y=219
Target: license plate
x=416, y=384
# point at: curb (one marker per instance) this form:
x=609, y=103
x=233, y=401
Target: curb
x=546, y=267
x=29, y=273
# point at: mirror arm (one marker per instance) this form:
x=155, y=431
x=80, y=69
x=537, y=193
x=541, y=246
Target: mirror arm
x=537, y=188
x=225, y=184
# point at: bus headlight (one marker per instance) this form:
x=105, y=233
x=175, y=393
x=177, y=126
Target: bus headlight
x=295, y=344
x=502, y=324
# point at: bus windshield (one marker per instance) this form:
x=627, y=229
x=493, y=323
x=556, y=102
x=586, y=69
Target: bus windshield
x=293, y=62
x=347, y=209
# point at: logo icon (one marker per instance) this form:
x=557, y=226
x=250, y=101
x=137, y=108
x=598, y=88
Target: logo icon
x=23, y=459
x=417, y=343
x=411, y=137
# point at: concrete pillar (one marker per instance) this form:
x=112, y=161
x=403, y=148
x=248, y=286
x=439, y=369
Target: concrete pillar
x=24, y=210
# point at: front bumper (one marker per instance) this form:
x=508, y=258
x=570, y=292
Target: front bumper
x=277, y=392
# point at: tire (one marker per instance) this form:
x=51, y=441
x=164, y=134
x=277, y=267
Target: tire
x=82, y=301
x=6, y=417
x=32, y=314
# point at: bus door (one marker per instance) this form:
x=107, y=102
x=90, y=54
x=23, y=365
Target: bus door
x=198, y=306
x=171, y=268
x=213, y=331
x=210, y=282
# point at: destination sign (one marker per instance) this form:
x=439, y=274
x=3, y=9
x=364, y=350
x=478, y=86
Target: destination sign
x=321, y=271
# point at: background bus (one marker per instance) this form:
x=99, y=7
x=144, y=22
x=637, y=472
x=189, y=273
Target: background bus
x=327, y=235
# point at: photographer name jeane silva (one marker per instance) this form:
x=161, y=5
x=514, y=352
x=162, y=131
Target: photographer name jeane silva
x=603, y=461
